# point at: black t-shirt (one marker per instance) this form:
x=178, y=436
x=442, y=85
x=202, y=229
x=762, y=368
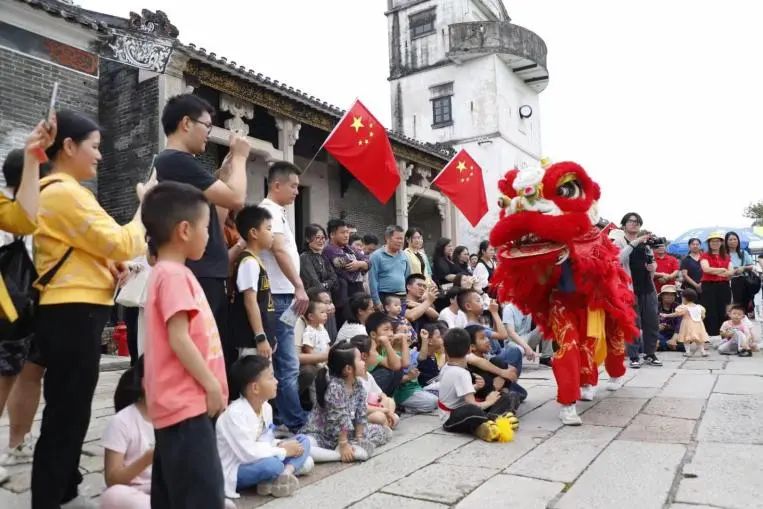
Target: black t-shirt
x=692, y=268
x=183, y=167
x=642, y=278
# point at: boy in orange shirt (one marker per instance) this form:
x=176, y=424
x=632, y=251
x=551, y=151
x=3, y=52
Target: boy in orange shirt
x=185, y=372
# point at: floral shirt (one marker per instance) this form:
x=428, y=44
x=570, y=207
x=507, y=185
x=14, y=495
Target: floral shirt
x=343, y=411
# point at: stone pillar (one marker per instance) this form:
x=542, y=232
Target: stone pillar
x=171, y=83
x=402, y=199
x=288, y=134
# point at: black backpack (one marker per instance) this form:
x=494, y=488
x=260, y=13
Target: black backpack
x=19, y=275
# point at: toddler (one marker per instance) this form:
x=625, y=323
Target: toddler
x=692, y=330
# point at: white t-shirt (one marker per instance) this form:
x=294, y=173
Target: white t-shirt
x=129, y=433
x=279, y=284
x=248, y=274
x=372, y=388
x=244, y=437
x=455, y=383
x=453, y=319
x=317, y=338
x=350, y=330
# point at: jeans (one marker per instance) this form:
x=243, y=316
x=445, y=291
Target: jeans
x=535, y=338
x=649, y=323
x=267, y=469
x=286, y=367
x=420, y=402
x=510, y=353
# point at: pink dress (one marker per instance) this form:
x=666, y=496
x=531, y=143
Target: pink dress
x=692, y=328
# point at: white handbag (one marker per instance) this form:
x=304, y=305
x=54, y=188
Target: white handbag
x=133, y=293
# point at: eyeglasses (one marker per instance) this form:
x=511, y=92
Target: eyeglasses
x=633, y=221
x=208, y=125
x=318, y=238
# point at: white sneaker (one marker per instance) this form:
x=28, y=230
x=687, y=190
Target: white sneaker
x=3, y=475
x=80, y=502
x=306, y=468
x=587, y=392
x=569, y=416
x=22, y=453
x=615, y=383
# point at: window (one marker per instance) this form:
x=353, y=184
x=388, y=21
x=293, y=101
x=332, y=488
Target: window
x=441, y=112
x=422, y=23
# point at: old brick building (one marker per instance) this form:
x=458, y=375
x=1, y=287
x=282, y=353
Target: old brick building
x=122, y=71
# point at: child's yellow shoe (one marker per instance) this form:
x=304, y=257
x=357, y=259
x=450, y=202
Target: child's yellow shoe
x=488, y=431
x=512, y=419
x=505, y=428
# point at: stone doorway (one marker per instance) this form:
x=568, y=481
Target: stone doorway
x=425, y=215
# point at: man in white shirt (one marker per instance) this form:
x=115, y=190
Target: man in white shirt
x=282, y=265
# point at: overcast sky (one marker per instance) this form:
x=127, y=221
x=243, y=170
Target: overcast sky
x=661, y=101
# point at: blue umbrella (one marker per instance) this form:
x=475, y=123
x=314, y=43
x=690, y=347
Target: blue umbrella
x=680, y=245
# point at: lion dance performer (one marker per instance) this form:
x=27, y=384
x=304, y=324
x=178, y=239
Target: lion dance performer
x=557, y=265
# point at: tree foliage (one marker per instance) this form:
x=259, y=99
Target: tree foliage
x=755, y=212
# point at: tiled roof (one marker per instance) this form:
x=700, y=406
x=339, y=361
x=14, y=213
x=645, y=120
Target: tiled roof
x=101, y=22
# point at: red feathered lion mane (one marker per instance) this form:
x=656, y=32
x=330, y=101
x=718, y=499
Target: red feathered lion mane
x=528, y=280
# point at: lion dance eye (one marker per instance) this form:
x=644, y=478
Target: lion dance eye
x=570, y=190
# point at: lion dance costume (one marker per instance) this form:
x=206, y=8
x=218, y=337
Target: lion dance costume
x=558, y=266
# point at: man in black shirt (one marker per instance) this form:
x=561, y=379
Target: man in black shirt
x=187, y=122
x=637, y=258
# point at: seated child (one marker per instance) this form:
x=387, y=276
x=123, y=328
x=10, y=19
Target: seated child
x=669, y=327
x=692, y=326
x=480, y=347
x=314, y=350
x=460, y=412
x=393, y=308
x=430, y=354
x=386, y=365
x=249, y=453
x=324, y=296
x=361, y=307
x=736, y=334
x=452, y=315
x=409, y=395
x=129, y=446
x=338, y=427
x=381, y=408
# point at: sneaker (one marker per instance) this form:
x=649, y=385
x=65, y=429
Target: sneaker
x=546, y=361
x=487, y=431
x=80, y=502
x=4, y=476
x=306, y=467
x=635, y=364
x=587, y=392
x=22, y=453
x=615, y=383
x=282, y=486
x=744, y=353
x=652, y=360
x=569, y=416
x=229, y=504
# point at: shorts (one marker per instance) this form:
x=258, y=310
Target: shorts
x=13, y=352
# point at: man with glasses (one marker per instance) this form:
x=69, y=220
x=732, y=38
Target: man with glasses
x=638, y=260
x=187, y=122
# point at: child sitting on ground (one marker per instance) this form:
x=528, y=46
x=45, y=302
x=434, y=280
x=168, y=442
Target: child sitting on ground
x=249, y=453
x=460, y=412
x=736, y=335
x=393, y=307
x=338, y=427
x=314, y=349
x=480, y=347
x=452, y=315
x=381, y=408
x=669, y=327
x=692, y=330
x=386, y=364
x=409, y=395
x=128, y=442
x=430, y=354
x=361, y=307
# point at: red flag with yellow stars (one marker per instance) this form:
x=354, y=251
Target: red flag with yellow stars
x=461, y=181
x=360, y=144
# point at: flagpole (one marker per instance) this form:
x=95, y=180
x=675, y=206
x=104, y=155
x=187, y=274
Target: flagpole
x=347, y=112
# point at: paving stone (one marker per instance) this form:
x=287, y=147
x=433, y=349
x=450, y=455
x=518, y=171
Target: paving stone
x=566, y=454
x=410, y=428
x=609, y=480
x=732, y=418
x=384, y=501
x=613, y=412
x=695, y=365
x=93, y=449
x=744, y=366
x=375, y=473
x=512, y=491
x=538, y=396
x=739, y=384
x=20, y=481
x=91, y=463
x=650, y=377
x=10, y=500
x=692, y=506
x=634, y=392
x=682, y=408
x=92, y=485
x=493, y=455
x=441, y=483
x=658, y=428
x=722, y=470
x=541, y=420
x=687, y=385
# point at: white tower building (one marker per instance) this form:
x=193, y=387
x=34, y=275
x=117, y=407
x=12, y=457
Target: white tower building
x=462, y=74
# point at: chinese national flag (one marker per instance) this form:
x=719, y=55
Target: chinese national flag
x=359, y=142
x=461, y=181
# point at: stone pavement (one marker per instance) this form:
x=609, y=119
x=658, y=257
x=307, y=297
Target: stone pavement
x=685, y=435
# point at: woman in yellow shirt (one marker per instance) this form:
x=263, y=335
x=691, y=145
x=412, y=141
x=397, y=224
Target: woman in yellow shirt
x=76, y=304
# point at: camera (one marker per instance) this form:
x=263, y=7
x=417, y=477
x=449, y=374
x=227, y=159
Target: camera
x=653, y=240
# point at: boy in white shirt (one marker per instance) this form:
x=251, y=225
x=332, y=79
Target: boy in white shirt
x=249, y=453
x=452, y=315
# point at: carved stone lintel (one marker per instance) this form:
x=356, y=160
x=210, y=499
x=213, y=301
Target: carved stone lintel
x=240, y=110
x=140, y=51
